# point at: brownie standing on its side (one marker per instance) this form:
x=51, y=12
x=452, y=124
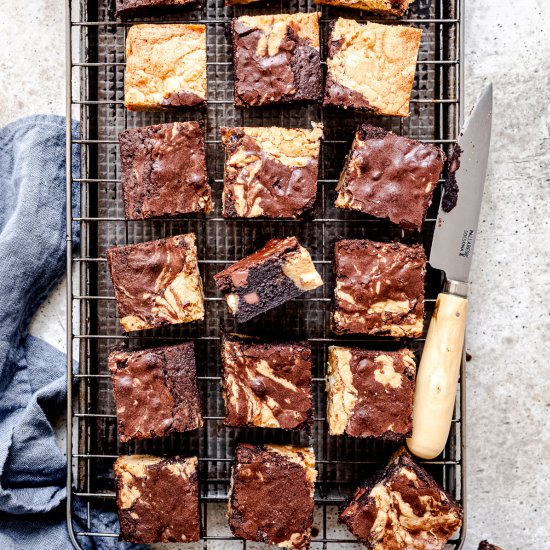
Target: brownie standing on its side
x=271, y=495
x=278, y=272
x=371, y=67
x=379, y=288
x=266, y=384
x=164, y=171
x=389, y=176
x=130, y=8
x=370, y=393
x=155, y=391
x=392, y=7
x=484, y=545
x=402, y=508
x=157, y=499
x=276, y=59
x=270, y=172
x=165, y=67
x=157, y=283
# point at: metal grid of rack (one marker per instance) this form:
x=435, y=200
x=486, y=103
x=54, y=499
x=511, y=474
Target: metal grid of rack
x=95, y=60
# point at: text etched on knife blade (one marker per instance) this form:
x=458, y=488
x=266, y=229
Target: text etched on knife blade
x=467, y=242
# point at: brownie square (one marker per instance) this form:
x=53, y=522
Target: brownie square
x=270, y=172
x=276, y=59
x=391, y=7
x=157, y=282
x=165, y=67
x=370, y=393
x=157, y=499
x=271, y=496
x=266, y=384
x=379, y=288
x=164, y=171
x=131, y=8
x=389, y=176
x=402, y=508
x=484, y=545
x=276, y=273
x=371, y=67
x=155, y=391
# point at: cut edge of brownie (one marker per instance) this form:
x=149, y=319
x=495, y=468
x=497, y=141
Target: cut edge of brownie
x=131, y=9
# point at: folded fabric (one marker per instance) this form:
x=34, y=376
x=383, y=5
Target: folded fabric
x=32, y=373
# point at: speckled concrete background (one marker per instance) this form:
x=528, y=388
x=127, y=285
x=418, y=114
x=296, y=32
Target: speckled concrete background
x=508, y=433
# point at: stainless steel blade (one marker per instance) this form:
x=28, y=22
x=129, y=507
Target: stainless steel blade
x=455, y=231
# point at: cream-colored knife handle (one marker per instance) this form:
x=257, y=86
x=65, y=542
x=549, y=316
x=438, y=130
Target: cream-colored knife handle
x=437, y=378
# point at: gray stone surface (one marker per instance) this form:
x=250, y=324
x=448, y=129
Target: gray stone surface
x=509, y=375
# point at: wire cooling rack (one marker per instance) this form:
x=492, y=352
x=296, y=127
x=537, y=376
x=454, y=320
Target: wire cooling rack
x=95, y=60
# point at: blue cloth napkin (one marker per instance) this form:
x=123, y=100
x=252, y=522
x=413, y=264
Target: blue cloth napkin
x=32, y=373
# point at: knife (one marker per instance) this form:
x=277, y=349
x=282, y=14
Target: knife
x=452, y=249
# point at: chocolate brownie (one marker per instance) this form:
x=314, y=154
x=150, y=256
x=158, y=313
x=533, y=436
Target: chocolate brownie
x=392, y=7
x=266, y=384
x=164, y=171
x=371, y=67
x=165, y=67
x=278, y=272
x=131, y=8
x=157, y=282
x=379, y=288
x=484, y=545
x=276, y=59
x=155, y=391
x=270, y=172
x=389, y=176
x=370, y=393
x=402, y=508
x=271, y=497
x=157, y=499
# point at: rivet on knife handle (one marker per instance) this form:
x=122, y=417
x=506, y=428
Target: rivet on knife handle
x=437, y=378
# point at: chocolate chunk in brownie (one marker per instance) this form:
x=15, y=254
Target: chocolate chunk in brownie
x=271, y=498
x=278, y=272
x=379, y=288
x=165, y=67
x=371, y=67
x=132, y=8
x=157, y=499
x=370, y=393
x=266, y=384
x=389, y=176
x=157, y=282
x=402, y=508
x=270, y=172
x=276, y=59
x=392, y=7
x=164, y=171
x=155, y=391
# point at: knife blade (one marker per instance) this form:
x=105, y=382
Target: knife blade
x=452, y=250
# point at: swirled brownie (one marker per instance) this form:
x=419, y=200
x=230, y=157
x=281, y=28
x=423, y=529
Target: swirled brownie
x=157, y=282
x=276, y=273
x=379, y=288
x=270, y=172
x=266, y=384
x=165, y=67
x=271, y=497
x=389, y=176
x=370, y=393
x=392, y=7
x=155, y=391
x=131, y=8
x=164, y=171
x=157, y=499
x=402, y=508
x=276, y=59
x=371, y=67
